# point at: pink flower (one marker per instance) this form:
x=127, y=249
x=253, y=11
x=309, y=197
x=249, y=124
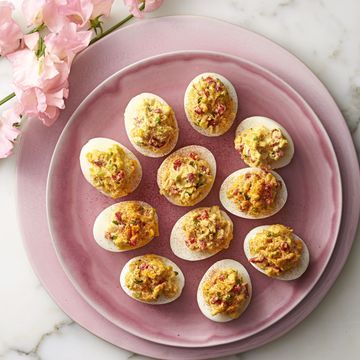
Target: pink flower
x=41, y=77
x=43, y=106
x=10, y=33
x=101, y=7
x=52, y=15
x=77, y=11
x=47, y=72
x=8, y=133
x=67, y=42
x=150, y=5
x=25, y=68
x=57, y=13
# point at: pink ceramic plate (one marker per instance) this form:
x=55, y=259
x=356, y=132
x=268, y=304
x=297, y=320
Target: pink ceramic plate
x=143, y=39
x=313, y=208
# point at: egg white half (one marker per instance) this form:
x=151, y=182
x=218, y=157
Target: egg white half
x=288, y=275
x=203, y=153
x=230, y=206
x=162, y=299
x=220, y=265
x=270, y=124
x=130, y=116
x=103, y=144
x=103, y=220
x=232, y=93
x=178, y=238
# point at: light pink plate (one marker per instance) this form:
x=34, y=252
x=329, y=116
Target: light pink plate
x=313, y=208
x=142, y=39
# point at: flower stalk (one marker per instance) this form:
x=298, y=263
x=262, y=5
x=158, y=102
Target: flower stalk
x=110, y=30
x=7, y=98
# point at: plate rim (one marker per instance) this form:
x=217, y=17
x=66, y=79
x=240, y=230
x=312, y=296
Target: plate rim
x=169, y=54
x=107, y=331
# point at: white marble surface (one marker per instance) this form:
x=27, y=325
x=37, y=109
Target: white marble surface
x=325, y=35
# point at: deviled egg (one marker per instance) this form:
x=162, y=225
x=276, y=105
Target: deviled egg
x=201, y=233
x=262, y=142
x=224, y=291
x=152, y=279
x=126, y=226
x=110, y=167
x=210, y=104
x=276, y=251
x=187, y=175
x=151, y=125
x=253, y=193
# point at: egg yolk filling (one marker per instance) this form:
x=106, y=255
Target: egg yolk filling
x=154, y=125
x=112, y=171
x=132, y=225
x=149, y=278
x=255, y=193
x=260, y=147
x=207, y=230
x=210, y=105
x=226, y=293
x=275, y=250
x=186, y=178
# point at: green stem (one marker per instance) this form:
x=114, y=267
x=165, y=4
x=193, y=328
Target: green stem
x=116, y=26
x=108, y=31
x=95, y=39
x=7, y=98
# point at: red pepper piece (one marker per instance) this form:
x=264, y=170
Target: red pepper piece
x=194, y=155
x=99, y=163
x=177, y=164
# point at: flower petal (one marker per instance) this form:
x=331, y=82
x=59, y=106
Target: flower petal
x=8, y=133
x=101, y=7
x=10, y=33
x=152, y=5
x=67, y=42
